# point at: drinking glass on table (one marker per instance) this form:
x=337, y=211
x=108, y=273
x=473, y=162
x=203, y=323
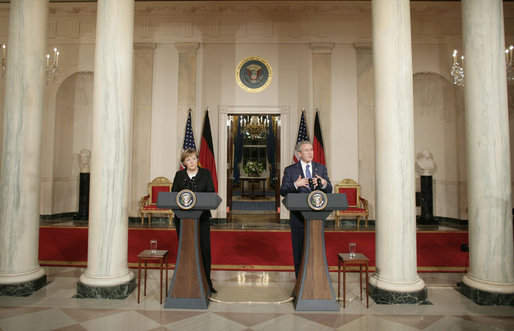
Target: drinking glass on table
x=352, y=248
x=153, y=246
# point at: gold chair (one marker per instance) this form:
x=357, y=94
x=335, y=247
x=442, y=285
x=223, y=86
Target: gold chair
x=148, y=205
x=357, y=205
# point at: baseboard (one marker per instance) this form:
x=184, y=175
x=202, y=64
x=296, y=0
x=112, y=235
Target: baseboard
x=57, y=216
x=346, y=221
x=450, y=221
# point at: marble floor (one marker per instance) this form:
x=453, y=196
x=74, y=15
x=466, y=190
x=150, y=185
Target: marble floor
x=245, y=301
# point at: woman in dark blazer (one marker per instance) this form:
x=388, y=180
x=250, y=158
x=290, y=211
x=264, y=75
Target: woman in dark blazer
x=197, y=179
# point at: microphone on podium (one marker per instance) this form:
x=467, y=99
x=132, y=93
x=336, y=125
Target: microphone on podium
x=311, y=184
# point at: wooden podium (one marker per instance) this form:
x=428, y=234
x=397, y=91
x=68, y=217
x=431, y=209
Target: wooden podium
x=313, y=289
x=189, y=288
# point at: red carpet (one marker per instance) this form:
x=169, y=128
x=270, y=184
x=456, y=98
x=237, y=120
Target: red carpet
x=255, y=250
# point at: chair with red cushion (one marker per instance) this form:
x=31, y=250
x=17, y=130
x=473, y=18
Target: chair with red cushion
x=357, y=205
x=148, y=203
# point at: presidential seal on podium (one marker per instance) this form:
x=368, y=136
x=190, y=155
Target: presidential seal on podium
x=317, y=200
x=186, y=199
x=253, y=74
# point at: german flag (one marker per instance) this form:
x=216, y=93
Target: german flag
x=207, y=151
x=319, y=152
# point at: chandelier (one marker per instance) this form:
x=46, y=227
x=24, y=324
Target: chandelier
x=254, y=125
x=457, y=68
x=52, y=65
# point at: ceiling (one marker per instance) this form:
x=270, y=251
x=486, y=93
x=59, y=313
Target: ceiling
x=71, y=1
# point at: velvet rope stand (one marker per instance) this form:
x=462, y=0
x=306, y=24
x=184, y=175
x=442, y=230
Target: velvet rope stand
x=189, y=288
x=313, y=289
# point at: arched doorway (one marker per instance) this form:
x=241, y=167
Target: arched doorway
x=72, y=133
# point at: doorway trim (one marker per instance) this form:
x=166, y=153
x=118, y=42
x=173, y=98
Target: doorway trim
x=223, y=113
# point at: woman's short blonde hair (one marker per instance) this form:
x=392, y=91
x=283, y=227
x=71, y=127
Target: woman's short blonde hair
x=187, y=153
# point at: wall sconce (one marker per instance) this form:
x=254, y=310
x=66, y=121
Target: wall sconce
x=457, y=69
x=52, y=65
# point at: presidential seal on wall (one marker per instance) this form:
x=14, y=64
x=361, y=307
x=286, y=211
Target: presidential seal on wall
x=186, y=199
x=317, y=200
x=253, y=74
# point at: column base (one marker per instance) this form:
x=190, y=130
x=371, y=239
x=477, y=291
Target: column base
x=120, y=291
x=485, y=298
x=22, y=289
x=388, y=297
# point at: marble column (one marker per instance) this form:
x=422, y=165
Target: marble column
x=141, y=135
x=20, y=273
x=107, y=274
x=396, y=279
x=322, y=87
x=186, y=97
x=490, y=280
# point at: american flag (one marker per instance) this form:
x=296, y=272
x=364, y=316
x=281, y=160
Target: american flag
x=189, y=138
x=302, y=134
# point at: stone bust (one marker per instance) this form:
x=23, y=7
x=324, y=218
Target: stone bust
x=425, y=164
x=84, y=158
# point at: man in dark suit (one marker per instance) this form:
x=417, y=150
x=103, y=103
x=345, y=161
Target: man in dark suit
x=296, y=180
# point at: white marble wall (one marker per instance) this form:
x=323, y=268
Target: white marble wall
x=72, y=133
x=438, y=124
x=322, y=91
x=73, y=92
x=186, y=97
x=141, y=133
x=343, y=129
x=165, y=140
x=366, y=125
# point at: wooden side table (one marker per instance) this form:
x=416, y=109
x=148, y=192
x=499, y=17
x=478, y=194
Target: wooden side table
x=145, y=256
x=345, y=259
x=251, y=180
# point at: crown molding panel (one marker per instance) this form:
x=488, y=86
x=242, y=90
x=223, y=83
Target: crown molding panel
x=341, y=22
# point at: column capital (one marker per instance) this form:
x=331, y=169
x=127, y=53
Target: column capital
x=323, y=48
x=363, y=48
x=187, y=47
x=145, y=47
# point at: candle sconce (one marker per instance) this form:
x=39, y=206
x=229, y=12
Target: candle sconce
x=3, y=63
x=457, y=69
x=52, y=65
x=508, y=60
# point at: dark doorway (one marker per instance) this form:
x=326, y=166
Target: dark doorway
x=253, y=172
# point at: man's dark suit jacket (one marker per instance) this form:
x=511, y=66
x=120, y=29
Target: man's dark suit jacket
x=291, y=174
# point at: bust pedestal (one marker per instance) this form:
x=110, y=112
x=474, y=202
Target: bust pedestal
x=426, y=201
x=83, y=213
